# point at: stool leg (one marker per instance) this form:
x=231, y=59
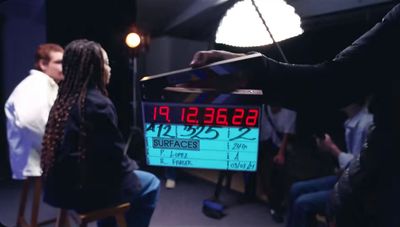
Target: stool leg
x=22, y=204
x=62, y=219
x=36, y=201
x=121, y=222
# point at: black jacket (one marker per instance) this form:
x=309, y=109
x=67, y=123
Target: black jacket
x=370, y=66
x=104, y=176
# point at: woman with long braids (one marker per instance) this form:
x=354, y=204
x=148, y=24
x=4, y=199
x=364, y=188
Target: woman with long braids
x=83, y=159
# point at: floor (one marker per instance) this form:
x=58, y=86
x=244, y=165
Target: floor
x=181, y=206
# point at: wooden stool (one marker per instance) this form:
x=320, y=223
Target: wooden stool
x=37, y=191
x=83, y=219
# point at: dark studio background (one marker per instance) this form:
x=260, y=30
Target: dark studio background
x=103, y=21
x=4, y=166
x=107, y=22
x=323, y=38
x=26, y=23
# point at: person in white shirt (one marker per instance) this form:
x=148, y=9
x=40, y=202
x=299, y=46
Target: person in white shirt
x=310, y=197
x=27, y=110
x=278, y=126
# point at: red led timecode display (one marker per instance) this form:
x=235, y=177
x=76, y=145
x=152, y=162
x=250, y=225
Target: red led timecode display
x=172, y=113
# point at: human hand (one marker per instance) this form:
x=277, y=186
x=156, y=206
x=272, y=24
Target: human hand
x=279, y=159
x=202, y=58
x=220, y=83
x=326, y=144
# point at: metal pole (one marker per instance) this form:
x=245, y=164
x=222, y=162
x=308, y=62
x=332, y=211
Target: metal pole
x=269, y=32
x=134, y=89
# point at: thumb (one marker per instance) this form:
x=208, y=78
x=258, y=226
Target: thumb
x=199, y=59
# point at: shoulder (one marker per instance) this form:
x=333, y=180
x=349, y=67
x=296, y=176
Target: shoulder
x=36, y=80
x=288, y=113
x=96, y=102
x=367, y=119
x=393, y=15
x=362, y=121
x=34, y=88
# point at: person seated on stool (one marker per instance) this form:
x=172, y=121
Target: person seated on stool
x=27, y=110
x=84, y=164
x=278, y=126
x=310, y=197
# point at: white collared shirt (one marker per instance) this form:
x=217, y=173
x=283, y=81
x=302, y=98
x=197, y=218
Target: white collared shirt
x=356, y=131
x=284, y=122
x=27, y=110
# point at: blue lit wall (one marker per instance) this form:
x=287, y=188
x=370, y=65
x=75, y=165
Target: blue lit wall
x=22, y=28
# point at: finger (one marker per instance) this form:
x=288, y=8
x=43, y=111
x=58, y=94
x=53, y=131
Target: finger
x=199, y=59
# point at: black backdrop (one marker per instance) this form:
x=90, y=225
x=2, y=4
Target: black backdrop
x=315, y=46
x=4, y=164
x=107, y=23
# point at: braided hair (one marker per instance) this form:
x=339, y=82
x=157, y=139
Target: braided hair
x=83, y=67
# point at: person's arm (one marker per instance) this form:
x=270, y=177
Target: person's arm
x=358, y=142
x=32, y=104
x=201, y=58
x=327, y=144
x=106, y=139
x=280, y=156
x=344, y=159
x=334, y=83
x=288, y=129
x=296, y=86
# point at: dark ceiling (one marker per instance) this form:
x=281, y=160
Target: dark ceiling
x=108, y=22
x=192, y=19
x=198, y=19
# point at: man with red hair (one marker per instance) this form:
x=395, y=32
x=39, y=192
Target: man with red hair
x=27, y=110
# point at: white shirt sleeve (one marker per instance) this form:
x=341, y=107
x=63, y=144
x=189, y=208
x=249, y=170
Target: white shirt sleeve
x=27, y=110
x=344, y=159
x=289, y=121
x=32, y=106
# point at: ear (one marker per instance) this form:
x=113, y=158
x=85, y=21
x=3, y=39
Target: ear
x=43, y=65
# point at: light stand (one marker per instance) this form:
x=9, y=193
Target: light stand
x=133, y=64
x=133, y=41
